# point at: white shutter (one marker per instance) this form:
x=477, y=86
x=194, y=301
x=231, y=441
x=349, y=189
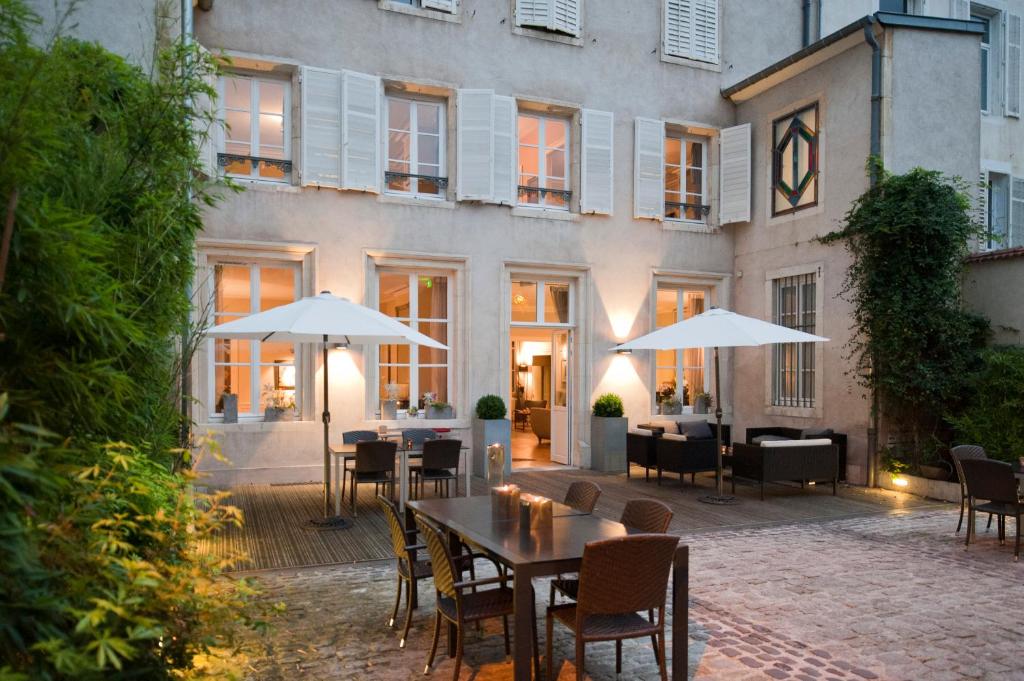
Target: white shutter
x=360, y=135
x=705, y=30
x=597, y=162
x=649, y=169
x=321, y=127
x=442, y=5
x=981, y=206
x=533, y=13
x=504, y=140
x=677, y=31
x=1016, y=212
x=734, y=175
x=565, y=16
x=208, y=125
x=475, y=141
x=960, y=9
x=1013, y=48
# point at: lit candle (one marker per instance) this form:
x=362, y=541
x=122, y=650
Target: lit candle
x=504, y=501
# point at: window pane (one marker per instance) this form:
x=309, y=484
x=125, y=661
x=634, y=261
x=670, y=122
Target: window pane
x=672, y=179
x=398, y=114
x=666, y=382
x=439, y=332
x=434, y=380
x=524, y=301
x=693, y=383
x=231, y=351
x=555, y=166
x=433, y=297
x=236, y=381
x=665, y=307
x=528, y=161
x=272, y=129
x=232, y=288
x=394, y=294
x=556, y=303
x=529, y=128
x=237, y=93
x=277, y=286
x=695, y=154
x=672, y=150
x=394, y=354
x=428, y=149
x=270, y=394
x=398, y=145
x=555, y=133
x=428, y=117
x=238, y=126
x=694, y=181
x=664, y=358
x=693, y=303
x=399, y=377
x=271, y=97
x=429, y=187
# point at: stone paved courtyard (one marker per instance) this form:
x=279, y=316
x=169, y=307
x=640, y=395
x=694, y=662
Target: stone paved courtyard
x=890, y=595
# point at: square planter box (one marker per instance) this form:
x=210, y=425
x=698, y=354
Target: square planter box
x=389, y=410
x=442, y=413
x=608, y=443
x=488, y=432
x=230, y=408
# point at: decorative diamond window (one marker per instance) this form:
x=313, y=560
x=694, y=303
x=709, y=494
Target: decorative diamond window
x=795, y=161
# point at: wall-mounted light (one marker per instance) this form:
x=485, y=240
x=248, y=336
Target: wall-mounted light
x=523, y=368
x=624, y=351
x=338, y=346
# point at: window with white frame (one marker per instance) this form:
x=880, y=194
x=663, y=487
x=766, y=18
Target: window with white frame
x=544, y=161
x=997, y=220
x=538, y=302
x=557, y=16
x=447, y=6
x=794, y=305
x=412, y=374
x=678, y=374
x=416, y=148
x=685, y=179
x=690, y=29
x=986, y=59
x=260, y=374
x=257, y=116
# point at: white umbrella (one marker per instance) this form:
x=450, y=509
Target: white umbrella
x=718, y=328
x=325, y=319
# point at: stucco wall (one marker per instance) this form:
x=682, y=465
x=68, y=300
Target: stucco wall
x=746, y=23
x=617, y=256
x=993, y=288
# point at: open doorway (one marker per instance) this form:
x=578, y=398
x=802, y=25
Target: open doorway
x=539, y=396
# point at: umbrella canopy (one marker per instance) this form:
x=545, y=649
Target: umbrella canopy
x=310, y=319
x=718, y=328
x=326, y=319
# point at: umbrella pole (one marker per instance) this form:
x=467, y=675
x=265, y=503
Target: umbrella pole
x=719, y=497
x=329, y=521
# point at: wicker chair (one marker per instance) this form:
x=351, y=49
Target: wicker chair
x=417, y=436
x=618, y=579
x=350, y=437
x=958, y=454
x=453, y=604
x=582, y=495
x=375, y=463
x=640, y=451
x=995, y=481
x=440, y=464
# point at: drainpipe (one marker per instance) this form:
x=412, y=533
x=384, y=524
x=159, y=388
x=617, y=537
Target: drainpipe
x=806, y=16
x=185, y=427
x=876, y=153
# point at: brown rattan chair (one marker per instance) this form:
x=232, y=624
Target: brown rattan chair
x=456, y=606
x=582, y=495
x=440, y=464
x=958, y=454
x=350, y=437
x=994, y=481
x=375, y=463
x=618, y=579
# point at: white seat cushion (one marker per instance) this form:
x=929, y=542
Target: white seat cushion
x=668, y=426
x=641, y=431
x=674, y=436
x=797, y=443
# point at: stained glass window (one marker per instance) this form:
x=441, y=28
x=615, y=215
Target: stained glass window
x=795, y=163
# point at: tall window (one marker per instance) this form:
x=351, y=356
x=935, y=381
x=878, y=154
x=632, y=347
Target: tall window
x=679, y=374
x=260, y=374
x=986, y=58
x=416, y=146
x=409, y=372
x=793, y=306
x=553, y=305
x=795, y=162
x=685, y=165
x=544, y=161
x=998, y=218
x=256, y=139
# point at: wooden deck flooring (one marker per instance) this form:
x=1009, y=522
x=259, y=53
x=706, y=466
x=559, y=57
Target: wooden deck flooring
x=276, y=534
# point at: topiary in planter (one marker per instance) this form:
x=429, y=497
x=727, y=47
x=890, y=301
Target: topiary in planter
x=490, y=407
x=608, y=405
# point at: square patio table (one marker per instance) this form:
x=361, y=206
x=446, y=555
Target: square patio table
x=541, y=552
x=343, y=453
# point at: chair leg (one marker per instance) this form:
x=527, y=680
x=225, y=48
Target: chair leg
x=548, y=646
x=398, y=601
x=661, y=656
x=618, y=657
x=352, y=496
x=504, y=631
x=458, y=653
x=433, y=646
x=1001, y=529
x=989, y=526
x=580, y=655
x=1016, y=543
x=970, y=525
x=408, y=613
x=533, y=627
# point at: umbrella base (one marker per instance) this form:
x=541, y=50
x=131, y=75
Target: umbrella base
x=334, y=522
x=718, y=499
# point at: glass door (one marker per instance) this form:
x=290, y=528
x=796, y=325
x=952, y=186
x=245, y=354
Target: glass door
x=561, y=427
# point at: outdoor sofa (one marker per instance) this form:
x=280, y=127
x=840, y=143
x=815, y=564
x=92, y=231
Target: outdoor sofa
x=786, y=461
x=678, y=447
x=755, y=436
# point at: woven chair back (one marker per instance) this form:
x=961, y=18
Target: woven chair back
x=440, y=561
x=394, y=526
x=625, y=574
x=646, y=515
x=991, y=480
x=962, y=452
x=353, y=436
x=438, y=454
x=418, y=436
x=582, y=495
x=375, y=457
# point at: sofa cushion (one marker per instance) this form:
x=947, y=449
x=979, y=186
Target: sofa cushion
x=769, y=438
x=667, y=426
x=815, y=433
x=674, y=436
x=696, y=430
x=641, y=431
x=797, y=443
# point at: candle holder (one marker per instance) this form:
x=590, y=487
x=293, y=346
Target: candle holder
x=504, y=502
x=535, y=510
x=496, y=464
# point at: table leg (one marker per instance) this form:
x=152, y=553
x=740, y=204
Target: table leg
x=522, y=632
x=469, y=471
x=403, y=479
x=337, y=485
x=680, y=613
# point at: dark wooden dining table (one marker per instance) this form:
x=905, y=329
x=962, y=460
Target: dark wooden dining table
x=541, y=551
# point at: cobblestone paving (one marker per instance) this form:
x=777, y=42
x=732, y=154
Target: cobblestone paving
x=886, y=596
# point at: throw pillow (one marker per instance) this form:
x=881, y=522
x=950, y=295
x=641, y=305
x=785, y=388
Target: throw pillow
x=696, y=430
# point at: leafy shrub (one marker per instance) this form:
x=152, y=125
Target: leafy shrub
x=608, y=404
x=993, y=415
x=490, y=407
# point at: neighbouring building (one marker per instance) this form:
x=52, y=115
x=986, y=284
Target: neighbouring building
x=532, y=183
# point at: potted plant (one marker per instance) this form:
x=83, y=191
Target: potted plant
x=229, y=407
x=671, y=406
x=412, y=411
x=439, y=410
x=701, y=402
x=389, y=407
x=491, y=427
x=279, y=405
x=608, y=435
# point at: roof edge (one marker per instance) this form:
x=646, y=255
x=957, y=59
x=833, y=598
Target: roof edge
x=1001, y=254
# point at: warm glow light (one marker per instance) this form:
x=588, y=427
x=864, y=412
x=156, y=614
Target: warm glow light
x=899, y=482
x=622, y=324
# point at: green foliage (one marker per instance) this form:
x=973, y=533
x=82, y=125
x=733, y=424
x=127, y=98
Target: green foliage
x=490, y=407
x=993, y=413
x=913, y=343
x=608, y=404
